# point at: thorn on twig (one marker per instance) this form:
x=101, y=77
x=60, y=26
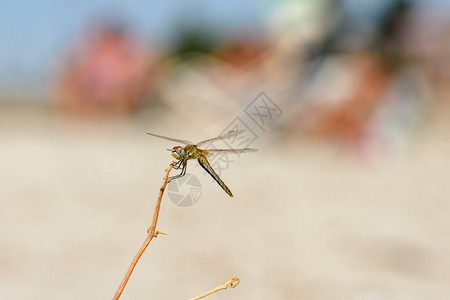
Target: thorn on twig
x=159, y=232
x=155, y=232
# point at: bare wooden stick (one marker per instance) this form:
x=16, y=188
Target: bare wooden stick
x=152, y=232
x=233, y=282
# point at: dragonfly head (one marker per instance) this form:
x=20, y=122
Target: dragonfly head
x=177, y=152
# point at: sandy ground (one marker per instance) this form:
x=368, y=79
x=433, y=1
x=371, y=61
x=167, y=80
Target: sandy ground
x=306, y=222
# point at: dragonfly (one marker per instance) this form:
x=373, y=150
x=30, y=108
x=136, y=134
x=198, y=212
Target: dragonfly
x=192, y=151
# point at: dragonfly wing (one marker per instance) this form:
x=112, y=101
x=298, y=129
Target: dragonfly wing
x=225, y=136
x=185, y=142
x=205, y=165
x=237, y=151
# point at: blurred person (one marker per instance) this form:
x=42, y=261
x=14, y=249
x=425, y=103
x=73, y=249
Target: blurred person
x=240, y=54
x=348, y=121
x=109, y=72
x=240, y=64
x=360, y=74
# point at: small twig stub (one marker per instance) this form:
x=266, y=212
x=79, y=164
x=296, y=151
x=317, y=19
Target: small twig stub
x=232, y=283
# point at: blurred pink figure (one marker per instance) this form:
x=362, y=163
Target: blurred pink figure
x=108, y=74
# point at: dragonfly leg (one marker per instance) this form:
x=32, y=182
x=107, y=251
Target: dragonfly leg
x=183, y=171
x=177, y=164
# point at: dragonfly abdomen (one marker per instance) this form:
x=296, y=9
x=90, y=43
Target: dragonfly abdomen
x=205, y=165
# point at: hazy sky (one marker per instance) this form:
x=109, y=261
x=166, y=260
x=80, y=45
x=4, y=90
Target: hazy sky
x=34, y=32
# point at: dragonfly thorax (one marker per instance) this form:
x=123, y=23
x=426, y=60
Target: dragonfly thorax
x=178, y=152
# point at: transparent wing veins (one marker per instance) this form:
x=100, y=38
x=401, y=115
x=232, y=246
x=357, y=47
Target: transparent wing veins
x=243, y=150
x=185, y=142
x=227, y=135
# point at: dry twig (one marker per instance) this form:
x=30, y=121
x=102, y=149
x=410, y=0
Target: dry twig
x=233, y=282
x=152, y=232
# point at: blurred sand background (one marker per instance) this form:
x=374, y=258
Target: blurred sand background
x=320, y=212
x=303, y=224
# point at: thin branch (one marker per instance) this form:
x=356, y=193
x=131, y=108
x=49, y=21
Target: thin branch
x=232, y=283
x=152, y=232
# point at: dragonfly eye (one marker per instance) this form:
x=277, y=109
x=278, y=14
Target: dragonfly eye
x=177, y=152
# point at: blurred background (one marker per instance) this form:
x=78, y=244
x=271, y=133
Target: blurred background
x=346, y=199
